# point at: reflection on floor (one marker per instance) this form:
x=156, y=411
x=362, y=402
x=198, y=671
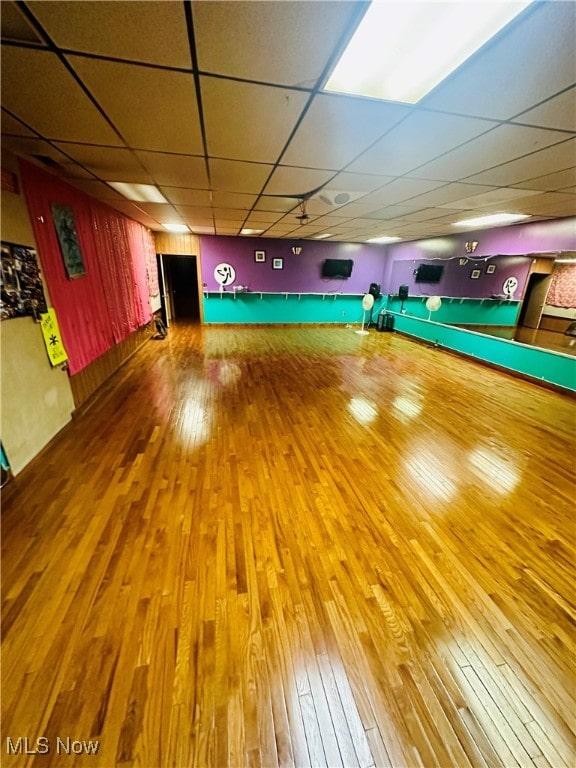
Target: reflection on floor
x=557, y=342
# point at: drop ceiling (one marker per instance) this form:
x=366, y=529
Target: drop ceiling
x=220, y=105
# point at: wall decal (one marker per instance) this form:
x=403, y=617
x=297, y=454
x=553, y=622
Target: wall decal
x=224, y=274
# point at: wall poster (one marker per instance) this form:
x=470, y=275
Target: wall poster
x=63, y=217
x=22, y=292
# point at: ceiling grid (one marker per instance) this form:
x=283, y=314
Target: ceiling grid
x=220, y=105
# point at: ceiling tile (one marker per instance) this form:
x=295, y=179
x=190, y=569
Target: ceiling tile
x=555, y=158
x=498, y=146
x=399, y=190
x=559, y=112
x=493, y=198
x=234, y=200
x=561, y=181
x=175, y=170
x=97, y=189
x=287, y=181
x=184, y=196
x=262, y=118
x=162, y=212
x=236, y=176
x=51, y=102
x=550, y=203
x=530, y=60
x=286, y=43
x=15, y=26
x=153, y=32
x=445, y=194
x=337, y=128
x=416, y=140
x=172, y=125
x=14, y=127
x=108, y=163
x=279, y=203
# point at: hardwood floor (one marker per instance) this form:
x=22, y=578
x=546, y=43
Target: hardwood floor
x=296, y=547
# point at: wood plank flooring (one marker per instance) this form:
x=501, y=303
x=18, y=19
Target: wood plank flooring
x=295, y=547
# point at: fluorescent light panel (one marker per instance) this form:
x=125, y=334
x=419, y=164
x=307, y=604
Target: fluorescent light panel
x=251, y=231
x=139, y=193
x=401, y=51
x=383, y=239
x=492, y=220
x=324, y=236
x=176, y=227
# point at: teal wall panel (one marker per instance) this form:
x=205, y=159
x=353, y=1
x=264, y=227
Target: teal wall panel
x=455, y=311
x=270, y=308
x=552, y=367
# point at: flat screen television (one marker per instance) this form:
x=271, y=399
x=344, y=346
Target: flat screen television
x=337, y=267
x=429, y=273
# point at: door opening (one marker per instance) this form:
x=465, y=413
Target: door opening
x=183, y=287
x=534, y=300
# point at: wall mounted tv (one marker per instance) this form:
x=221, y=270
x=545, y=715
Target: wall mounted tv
x=337, y=267
x=428, y=273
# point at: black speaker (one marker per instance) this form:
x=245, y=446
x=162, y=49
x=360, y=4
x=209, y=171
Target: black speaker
x=403, y=292
x=375, y=290
x=381, y=322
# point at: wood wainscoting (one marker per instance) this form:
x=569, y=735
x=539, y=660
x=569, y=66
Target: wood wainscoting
x=87, y=381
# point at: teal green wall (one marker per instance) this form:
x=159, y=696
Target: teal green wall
x=461, y=311
x=284, y=308
x=552, y=367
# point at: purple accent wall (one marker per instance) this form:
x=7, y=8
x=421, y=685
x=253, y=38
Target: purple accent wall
x=456, y=279
x=510, y=245
x=300, y=273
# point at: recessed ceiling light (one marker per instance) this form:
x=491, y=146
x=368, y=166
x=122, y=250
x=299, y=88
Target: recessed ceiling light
x=176, y=227
x=139, y=193
x=383, y=239
x=251, y=231
x=492, y=220
x=323, y=237
x=401, y=51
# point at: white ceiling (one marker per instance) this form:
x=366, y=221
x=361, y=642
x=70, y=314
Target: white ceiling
x=220, y=105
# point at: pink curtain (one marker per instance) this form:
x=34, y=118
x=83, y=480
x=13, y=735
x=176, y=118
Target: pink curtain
x=104, y=306
x=562, y=292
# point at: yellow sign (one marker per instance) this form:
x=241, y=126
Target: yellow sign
x=52, y=338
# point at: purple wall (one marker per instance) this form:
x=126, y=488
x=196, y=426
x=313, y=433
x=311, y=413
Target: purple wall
x=300, y=273
x=456, y=279
x=510, y=245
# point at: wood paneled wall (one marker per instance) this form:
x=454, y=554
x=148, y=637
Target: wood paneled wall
x=178, y=245
x=85, y=383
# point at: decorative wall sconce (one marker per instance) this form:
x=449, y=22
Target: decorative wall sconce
x=471, y=246
x=296, y=250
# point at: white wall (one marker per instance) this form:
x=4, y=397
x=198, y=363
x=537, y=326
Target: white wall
x=36, y=398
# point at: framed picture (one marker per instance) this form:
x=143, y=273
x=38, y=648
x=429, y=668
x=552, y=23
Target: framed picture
x=69, y=245
x=475, y=274
x=260, y=256
x=490, y=269
x=277, y=263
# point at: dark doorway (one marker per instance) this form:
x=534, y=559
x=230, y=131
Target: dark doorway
x=534, y=300
x=183, y=276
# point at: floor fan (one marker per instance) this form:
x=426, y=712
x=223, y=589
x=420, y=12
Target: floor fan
x=433, y=304
x=367, y=304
